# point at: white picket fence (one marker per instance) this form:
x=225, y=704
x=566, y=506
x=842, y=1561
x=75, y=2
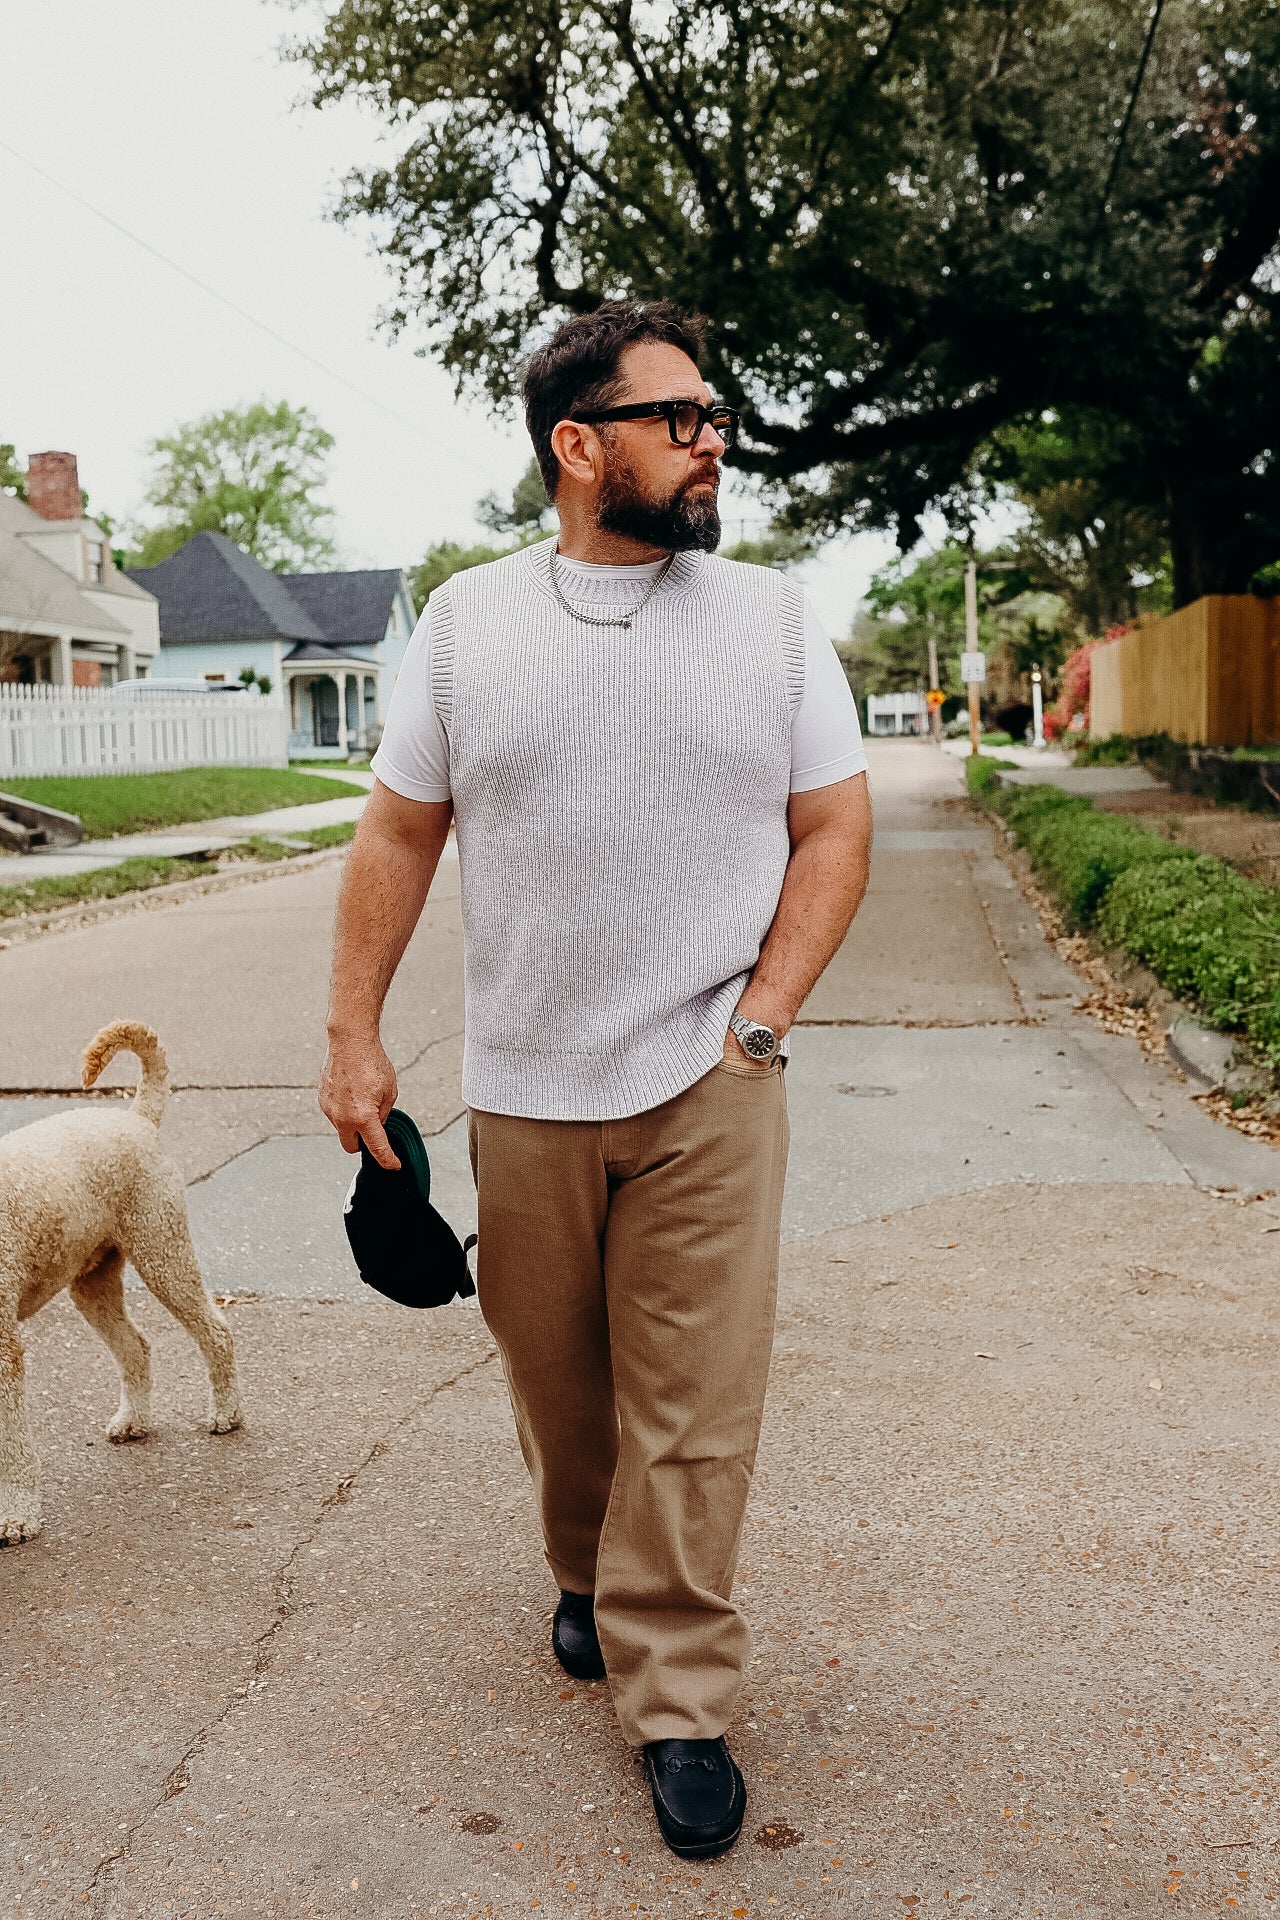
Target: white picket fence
x=100, y=730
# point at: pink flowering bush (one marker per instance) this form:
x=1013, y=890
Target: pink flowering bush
x=1074, y=696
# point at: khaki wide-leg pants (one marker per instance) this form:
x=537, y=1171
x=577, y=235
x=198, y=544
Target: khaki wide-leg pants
x=628, y=1270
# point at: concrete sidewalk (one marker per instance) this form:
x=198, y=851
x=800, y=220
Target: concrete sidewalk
x=1009, y=1552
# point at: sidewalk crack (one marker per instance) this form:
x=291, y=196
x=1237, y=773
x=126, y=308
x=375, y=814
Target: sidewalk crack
x=98, y=1890
x=996, y=942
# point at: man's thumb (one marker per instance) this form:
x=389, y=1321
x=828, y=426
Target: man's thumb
x=375, y=1139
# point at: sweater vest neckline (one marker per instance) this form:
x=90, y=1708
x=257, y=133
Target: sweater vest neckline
x=683, y=577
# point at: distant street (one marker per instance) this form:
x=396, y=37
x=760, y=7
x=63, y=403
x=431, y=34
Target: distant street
x=1009, y=1552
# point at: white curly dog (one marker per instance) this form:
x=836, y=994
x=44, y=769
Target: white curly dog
x=80, y=1194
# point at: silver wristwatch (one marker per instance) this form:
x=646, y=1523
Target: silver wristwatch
x=757, y=1042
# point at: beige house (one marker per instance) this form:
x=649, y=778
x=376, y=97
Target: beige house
x=68, y=616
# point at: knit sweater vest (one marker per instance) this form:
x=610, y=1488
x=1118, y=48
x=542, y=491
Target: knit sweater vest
x=621, y=805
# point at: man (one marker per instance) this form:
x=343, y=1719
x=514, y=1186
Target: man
x=654, y=765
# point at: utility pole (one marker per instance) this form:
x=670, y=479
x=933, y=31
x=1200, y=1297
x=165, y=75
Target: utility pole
x=974, y=678
x=935, y=685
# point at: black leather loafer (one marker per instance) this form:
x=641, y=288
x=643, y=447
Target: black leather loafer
x=573, y=1637
x=698, y=1795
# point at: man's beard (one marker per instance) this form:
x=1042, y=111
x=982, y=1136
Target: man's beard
x=688, y=521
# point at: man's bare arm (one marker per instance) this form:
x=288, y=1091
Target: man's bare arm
x=825, y=880
x=392, y=862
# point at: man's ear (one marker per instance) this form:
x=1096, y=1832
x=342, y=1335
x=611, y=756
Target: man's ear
x=577, y=448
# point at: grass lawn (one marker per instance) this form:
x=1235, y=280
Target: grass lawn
x=102, y=883
x=113, y=803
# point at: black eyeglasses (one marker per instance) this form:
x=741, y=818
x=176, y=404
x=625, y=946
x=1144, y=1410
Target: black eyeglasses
x=685, y=419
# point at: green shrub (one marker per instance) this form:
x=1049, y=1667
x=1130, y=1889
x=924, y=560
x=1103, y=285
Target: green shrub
x=1079, y=852
x=1126, y=749
x=1208, y=934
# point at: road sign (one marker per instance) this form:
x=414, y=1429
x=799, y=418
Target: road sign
x=935, y=697
x=973, y=668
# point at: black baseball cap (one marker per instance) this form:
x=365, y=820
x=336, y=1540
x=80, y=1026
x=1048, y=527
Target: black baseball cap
x=402, y=1246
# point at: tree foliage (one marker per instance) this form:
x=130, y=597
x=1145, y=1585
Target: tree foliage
x=776, y=545
x=522, y=517
x=1089, y=536
x=527, y=511
x=252, y=473
x=13, y=475
x=910, y=602
x=915, y=222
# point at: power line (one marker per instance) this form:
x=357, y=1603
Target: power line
x=243, y=313
x=1114, y=169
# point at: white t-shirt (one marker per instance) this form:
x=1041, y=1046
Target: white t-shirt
x=826, y=740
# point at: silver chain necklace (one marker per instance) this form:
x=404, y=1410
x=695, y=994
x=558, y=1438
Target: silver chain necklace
x=623, y=619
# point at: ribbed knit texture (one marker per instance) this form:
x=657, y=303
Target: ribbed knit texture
x=621, y=803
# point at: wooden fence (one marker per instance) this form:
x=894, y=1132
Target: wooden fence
x=90, y=730
x=1208, y=675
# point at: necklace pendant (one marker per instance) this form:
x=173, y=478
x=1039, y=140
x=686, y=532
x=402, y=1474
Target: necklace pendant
x=625, y=623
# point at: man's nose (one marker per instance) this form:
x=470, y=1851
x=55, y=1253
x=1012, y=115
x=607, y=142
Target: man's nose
x=708, y=444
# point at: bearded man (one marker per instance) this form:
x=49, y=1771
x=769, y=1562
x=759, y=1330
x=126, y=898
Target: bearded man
x=654, y=765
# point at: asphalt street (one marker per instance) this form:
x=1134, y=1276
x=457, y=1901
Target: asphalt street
x=1010, y=1552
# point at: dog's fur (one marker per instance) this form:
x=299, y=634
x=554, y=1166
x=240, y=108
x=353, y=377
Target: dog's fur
x=80, y=1194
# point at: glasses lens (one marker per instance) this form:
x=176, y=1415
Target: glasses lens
x=687, y=422
x=725, y=422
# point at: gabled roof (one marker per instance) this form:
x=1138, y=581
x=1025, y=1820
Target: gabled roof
x=334, y=655
x=36, y=596
x=351, y=609
x=210, y=589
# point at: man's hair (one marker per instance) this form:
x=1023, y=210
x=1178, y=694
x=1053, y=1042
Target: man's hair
x=577, y=368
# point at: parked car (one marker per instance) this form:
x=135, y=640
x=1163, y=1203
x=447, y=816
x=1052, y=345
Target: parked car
x=150, y=689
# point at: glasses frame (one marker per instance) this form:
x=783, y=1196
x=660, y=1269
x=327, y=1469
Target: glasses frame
x=667, y=410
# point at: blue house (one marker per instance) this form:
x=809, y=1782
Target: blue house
x=331, y=642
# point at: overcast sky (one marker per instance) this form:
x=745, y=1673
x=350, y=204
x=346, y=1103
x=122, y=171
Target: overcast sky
x=181, y=122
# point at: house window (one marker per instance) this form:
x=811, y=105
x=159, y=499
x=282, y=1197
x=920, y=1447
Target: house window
x=94, y=550
x=216, y=679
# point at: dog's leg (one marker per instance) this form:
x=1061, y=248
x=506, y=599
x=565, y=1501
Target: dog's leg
x=19, y=1474
x=164, y=1256
x=99, y=1294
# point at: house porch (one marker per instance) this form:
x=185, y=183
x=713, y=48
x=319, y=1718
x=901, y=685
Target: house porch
x=333, y=711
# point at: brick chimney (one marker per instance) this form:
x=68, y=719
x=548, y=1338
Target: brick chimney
x=53, y=486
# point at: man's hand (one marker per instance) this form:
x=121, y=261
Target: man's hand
x=357, y=1092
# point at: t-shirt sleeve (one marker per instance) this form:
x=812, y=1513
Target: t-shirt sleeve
x=413, y=759
x=826, y=740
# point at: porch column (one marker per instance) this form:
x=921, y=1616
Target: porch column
x=62, y=655
x=341, y=679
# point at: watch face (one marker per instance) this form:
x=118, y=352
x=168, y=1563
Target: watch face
x=759, y=1042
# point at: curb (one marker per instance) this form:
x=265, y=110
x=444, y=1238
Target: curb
x=1204, y=1055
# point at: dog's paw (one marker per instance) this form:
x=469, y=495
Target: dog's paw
x=226, y=1417
x=128, y=1424
x=19, y=1515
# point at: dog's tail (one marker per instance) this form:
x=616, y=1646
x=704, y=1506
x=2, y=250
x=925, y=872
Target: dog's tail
x=132, y=1037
